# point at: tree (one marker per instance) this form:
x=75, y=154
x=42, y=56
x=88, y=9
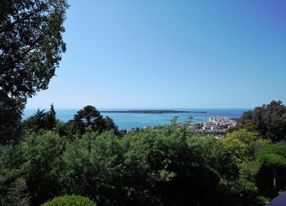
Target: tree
x=13, y=188
x=42, y=165
x=269, y=120
x=175, y=166
x=93, y=167
x=69, y=200
x=15, y=195
x=41, y=121
x=30, y=44
x=271, y=175
x=110, y=125
x=30, y=50
x=10, y=116
x=87, y=117
x=51, y=116
x=242, y=145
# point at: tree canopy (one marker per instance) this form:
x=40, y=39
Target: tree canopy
x=41, y=120
x=243, y=144
x=31, y=45
x=88, y=118
x=269, y=120
x=68, y=200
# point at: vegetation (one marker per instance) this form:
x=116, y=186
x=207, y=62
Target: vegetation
x=30, y=49
x=243, y=145
x=87, y=119
x=88, y=156
x=69, y=200
x=269, y=120
x=272, y=171
x=168, y=165
x=41, y=121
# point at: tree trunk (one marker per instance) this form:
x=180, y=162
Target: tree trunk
x=274, y=178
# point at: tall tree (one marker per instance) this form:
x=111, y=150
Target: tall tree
x=41, y=120
x=270, y=178
x=89, y=116
x=269, y=120
x=30, y=50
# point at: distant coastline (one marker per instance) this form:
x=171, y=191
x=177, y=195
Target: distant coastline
x=152, y=111
x=126, y=118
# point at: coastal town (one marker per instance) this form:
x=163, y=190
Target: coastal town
x=215, y=125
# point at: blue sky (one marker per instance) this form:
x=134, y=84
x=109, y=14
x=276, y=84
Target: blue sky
x=170, y=54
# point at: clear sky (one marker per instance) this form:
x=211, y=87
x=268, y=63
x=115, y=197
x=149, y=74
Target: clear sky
x=171, y=54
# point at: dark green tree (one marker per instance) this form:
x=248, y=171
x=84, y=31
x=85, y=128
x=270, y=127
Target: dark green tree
x=41, y=121
x=110, y=125
x=271, y=175
x=162, y=166
x=31, y=45
x=93, y=166
x=42, y=155
x=269, y=120
x=13, y=189
x=87, y=118
x=51, y=116
x=10, y=116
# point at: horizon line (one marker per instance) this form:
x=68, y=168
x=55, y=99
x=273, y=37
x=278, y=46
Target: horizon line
x=143, y=108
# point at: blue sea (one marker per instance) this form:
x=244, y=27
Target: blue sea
x=134, y=120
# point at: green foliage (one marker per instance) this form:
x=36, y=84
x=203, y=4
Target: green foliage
x=87, y=118
x=272, y=172
x=240, y=192
x=273, y=155
x=42, y=155
x=269, y=120
x=10, y=119
x=30, y=50
x=110, y=125
x=92, y=167
x=41, y=121
x=13, y=189
x=243, y=144
x=168, y=165
x=175, y=171
x=70, y=200
x=14, y=194
x=215, y=155
x=249, y=169
x=30, y=43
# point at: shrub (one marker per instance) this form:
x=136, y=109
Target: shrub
x=70, y=200
x=42, y=155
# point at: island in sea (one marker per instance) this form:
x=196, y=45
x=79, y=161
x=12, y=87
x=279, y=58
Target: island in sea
x=152, y=111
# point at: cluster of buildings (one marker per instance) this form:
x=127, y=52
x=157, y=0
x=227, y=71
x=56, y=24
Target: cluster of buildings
x=215, y=124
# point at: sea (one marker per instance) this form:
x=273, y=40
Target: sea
x=140, y=120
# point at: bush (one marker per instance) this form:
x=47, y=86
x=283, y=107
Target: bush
x=93, y=167
x=70, y=200
x=42, y=155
